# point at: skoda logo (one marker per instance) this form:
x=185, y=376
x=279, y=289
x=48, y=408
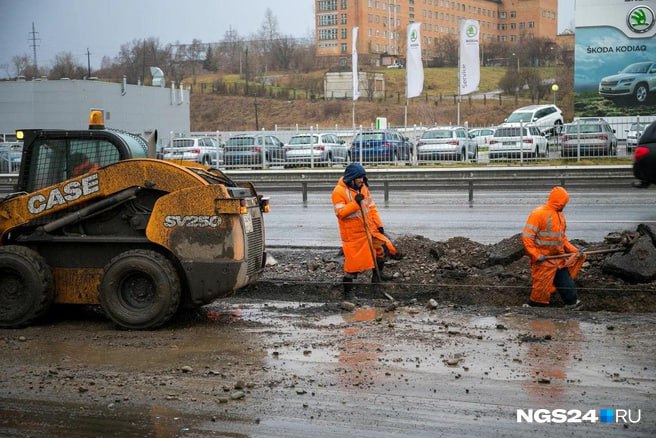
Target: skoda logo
x=413, y=36
x=640, y=19
x=471, y=31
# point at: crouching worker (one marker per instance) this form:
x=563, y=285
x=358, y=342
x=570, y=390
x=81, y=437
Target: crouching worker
x=543, y=236
x=353, y=206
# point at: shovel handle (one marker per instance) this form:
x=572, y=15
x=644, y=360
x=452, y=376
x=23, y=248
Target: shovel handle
x=594, y=251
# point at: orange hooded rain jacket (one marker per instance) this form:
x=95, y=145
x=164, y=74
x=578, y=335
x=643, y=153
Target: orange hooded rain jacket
x=357, y=255
x=544, y=234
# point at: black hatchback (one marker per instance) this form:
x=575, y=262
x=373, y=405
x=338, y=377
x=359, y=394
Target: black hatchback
x=644, y=157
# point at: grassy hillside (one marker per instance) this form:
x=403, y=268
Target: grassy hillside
x=213, y=111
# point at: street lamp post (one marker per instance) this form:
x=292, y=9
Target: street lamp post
x=554, y=88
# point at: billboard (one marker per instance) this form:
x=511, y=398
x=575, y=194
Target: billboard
x=615, y=58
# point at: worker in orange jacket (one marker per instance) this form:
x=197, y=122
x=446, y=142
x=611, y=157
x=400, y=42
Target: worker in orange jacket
x=351, y=198
x=544, y=235
x=80, y=164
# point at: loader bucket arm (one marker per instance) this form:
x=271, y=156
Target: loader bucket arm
x=75, y=192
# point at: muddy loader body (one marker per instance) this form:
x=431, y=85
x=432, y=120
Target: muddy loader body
x=139, y=236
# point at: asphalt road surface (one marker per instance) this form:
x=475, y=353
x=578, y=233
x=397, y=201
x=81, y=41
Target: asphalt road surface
x=492, y=216
x=284, y=369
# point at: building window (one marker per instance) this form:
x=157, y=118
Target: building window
x=502, y=15
x=344, y=18
x=344, y=5
x=513, y=14
x=522, y=25
x=344, y=34
x=327, y=5
x=531, y=24
x=327, y=34
x=344, y=47
x=513, y=25
x=328, y=20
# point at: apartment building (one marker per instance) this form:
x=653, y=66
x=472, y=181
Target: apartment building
x=382, y=24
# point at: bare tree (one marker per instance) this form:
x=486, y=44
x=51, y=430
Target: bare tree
x=23, y=66
x=66, y=67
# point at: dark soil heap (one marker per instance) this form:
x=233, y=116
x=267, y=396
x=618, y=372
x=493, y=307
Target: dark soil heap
x=461, y=271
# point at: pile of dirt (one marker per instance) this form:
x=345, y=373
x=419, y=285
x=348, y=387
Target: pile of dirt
x=465, y=272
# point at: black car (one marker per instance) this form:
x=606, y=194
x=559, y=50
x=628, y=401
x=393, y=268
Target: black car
x=644, y=157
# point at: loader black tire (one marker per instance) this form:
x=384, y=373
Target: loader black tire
x=140, y=289
x=26, y=286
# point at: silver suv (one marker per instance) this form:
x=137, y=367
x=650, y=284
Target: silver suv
x=204, y=150
x=588, y=136
x=636, y=81
x=547, y=118
x=319, y=148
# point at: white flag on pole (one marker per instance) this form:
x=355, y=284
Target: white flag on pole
x=469, y=71
x=414, y=67
x=354, y=62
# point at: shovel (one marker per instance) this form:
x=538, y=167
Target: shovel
x=371, y=249
x=627, y=240
x=595, y=251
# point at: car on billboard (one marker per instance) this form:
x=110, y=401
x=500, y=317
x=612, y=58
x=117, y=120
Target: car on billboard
x=635, y=82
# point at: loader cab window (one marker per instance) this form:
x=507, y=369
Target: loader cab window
x=87, y=155
x=53, y=161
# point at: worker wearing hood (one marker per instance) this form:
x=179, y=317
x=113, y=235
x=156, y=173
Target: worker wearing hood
x=351, y=198
x=545, y=235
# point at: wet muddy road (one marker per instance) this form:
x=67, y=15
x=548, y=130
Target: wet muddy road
x=244, y=367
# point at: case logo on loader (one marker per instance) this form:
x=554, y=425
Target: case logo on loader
x=69, y=192
x=192, y=221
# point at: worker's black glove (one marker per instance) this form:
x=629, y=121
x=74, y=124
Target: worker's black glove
x=359, y=197
x=398, y=256
x=381, y=230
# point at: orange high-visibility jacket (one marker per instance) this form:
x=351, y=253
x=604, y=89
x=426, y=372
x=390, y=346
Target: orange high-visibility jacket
x=357, y=255
x=545, y=234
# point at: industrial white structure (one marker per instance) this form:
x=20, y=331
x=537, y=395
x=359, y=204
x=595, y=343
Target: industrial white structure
x=65, y=104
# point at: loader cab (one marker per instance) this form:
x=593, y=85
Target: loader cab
x=53, y=156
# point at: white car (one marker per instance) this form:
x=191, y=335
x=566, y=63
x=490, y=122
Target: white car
x=636, y=81
x=548, y=118
x=482, y=136
x=395, y=64
x=320, y=149
x=511, y=141
x=633, y=135
x=446, y=143
x=204, y=150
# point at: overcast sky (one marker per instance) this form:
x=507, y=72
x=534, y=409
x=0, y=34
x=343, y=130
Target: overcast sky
x=103, y=26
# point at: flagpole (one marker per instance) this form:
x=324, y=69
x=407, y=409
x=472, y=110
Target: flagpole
x=459, y=67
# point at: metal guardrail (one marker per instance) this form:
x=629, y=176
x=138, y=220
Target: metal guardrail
x=470, y=179
x=467, y=179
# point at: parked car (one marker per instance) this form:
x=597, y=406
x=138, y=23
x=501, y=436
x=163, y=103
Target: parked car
x=548, y=118
x=635, y=81
x=252, y=149
x=515, y=141
x=395, y=64
x=644, y=157
x=633, y=134
x=380, y=145
x=482, y=136
x=588, y=136
x=447, y=143
x=320, y=149
x=10, y=157
x=204, y=150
